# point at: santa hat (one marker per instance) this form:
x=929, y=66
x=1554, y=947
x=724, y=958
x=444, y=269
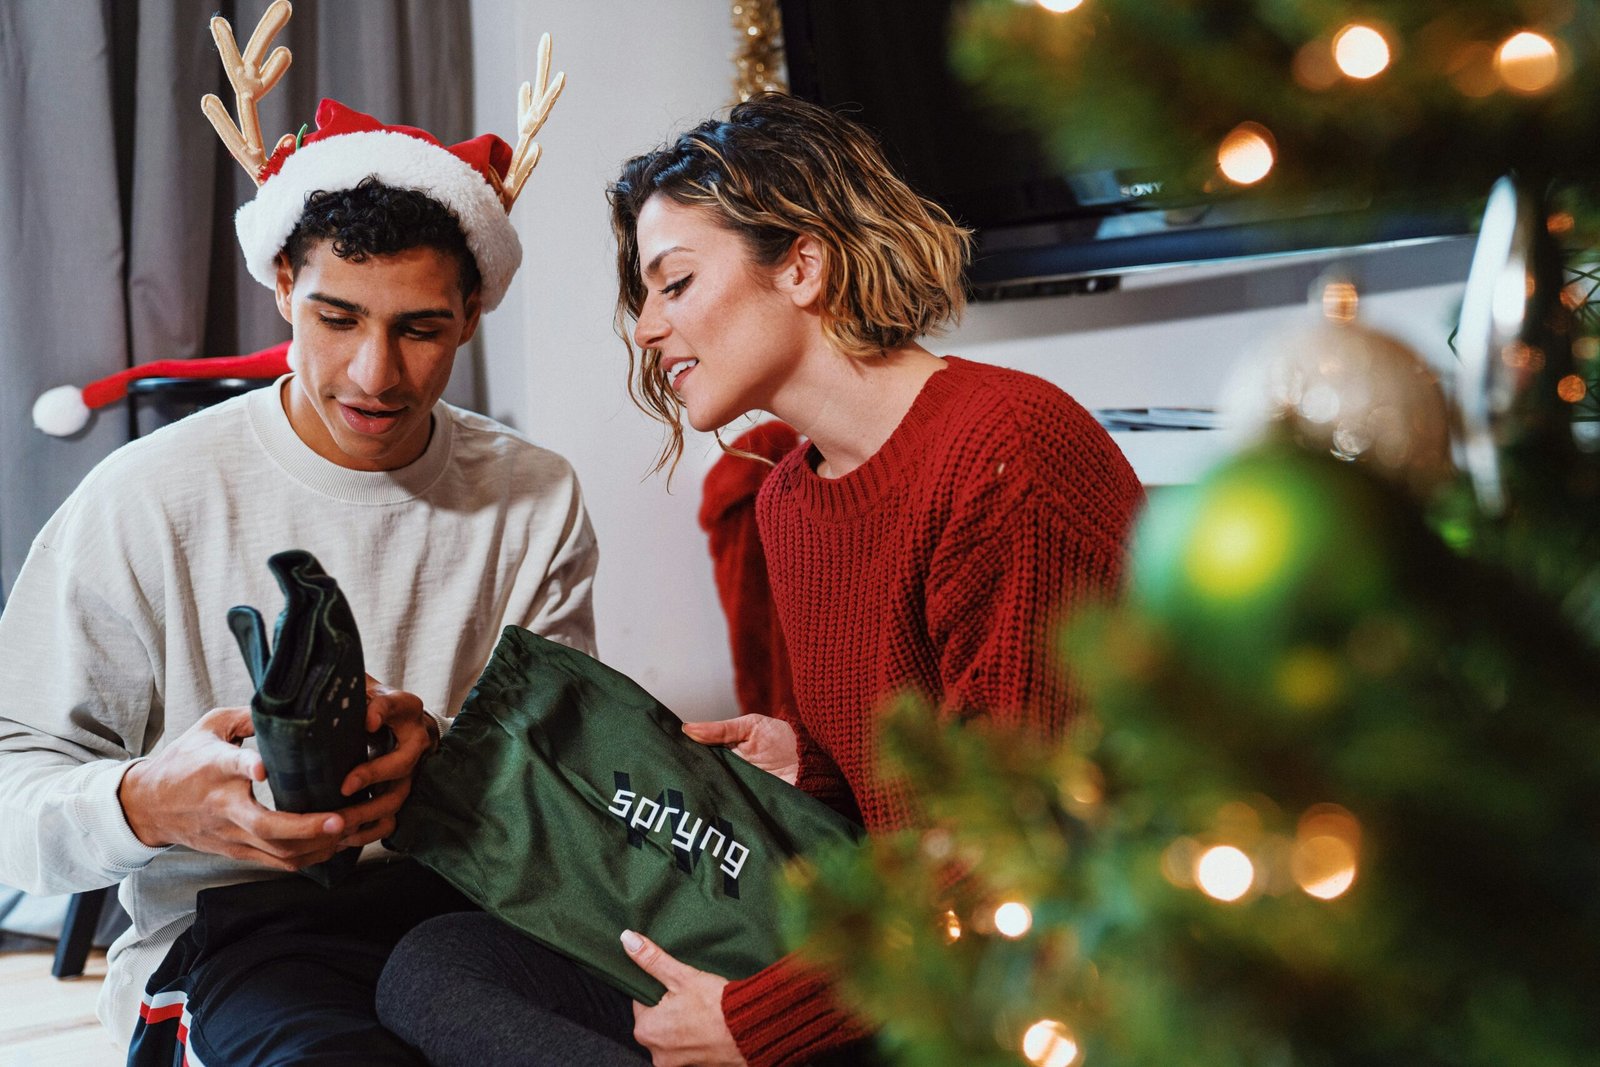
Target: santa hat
x=65, y=410
x=477, y=180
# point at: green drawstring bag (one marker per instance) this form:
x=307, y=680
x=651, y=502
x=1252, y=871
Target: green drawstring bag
x=567, y=802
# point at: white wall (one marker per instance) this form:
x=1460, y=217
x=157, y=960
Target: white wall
x=640, y=70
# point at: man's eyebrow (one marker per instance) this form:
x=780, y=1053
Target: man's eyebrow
x=324, y=298
x=663, y=254
x=405, y=316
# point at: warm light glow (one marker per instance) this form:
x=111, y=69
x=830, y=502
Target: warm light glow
x=1060, y=7
x=1324, y=866
x=1528, y=62
x=1571, y=389
x=1247, y=154
x=1048, y=1043
x=1360, y=51
x=1240, y=543
x=1586, y=348
x=1224, y=873
x=1340, y=301
x=1325, y=851
x=1013, y=919
x=952, y=926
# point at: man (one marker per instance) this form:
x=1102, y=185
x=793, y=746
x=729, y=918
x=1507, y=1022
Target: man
x=121, y=689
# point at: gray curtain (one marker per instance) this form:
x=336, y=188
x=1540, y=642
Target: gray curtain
x=117, y=199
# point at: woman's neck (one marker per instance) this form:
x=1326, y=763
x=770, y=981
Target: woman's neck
x=850, y=406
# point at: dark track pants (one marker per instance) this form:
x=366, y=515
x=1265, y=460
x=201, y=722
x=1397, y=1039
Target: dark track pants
x=284, y=972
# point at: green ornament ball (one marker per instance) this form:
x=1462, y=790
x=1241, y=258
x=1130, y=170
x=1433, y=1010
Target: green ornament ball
x=1272, y=555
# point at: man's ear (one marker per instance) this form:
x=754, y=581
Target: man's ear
x=473, y=315
x=283, y=288
x=801, y=273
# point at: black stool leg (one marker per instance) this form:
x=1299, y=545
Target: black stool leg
x=77, y=933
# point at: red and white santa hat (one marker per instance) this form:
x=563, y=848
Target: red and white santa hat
x=477, y=180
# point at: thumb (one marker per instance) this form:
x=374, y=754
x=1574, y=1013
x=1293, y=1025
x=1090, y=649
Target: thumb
x=654, y=961
x=229, y=724
x=721, y=732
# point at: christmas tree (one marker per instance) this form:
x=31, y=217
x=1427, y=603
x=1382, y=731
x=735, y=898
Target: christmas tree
x=1335, y=796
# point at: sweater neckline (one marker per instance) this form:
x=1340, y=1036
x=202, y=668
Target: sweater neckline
x=884, y=472
x=296, y=459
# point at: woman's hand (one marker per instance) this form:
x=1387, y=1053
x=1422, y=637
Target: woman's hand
x=687, y=1026
x=761, y=740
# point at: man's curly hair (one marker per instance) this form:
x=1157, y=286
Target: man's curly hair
x=373, y=219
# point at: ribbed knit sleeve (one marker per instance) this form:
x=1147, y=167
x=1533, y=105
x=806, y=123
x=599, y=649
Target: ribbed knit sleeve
x=786, y=1014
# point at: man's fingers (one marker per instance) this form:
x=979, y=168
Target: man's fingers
x=722, y=732
x=653, y=960
x=230, y=724
x=411, y=741
x=250, y=765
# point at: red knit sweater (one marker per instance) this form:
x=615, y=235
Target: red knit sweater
x=942, y=565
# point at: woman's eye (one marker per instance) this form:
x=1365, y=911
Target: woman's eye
x=674, y=288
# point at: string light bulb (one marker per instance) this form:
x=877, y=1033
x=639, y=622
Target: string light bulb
x=1361, y=51
x=952, y=926
x=1247, y=154
x=1326, y=847
x=1013, y=919
x=1048, y=1043
x=1224, y=873
x=1528, y=62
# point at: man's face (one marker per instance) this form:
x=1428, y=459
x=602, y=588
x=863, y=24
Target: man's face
x=374, y=343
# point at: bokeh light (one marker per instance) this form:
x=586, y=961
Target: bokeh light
x=1060, y=7
x=952, y=926
x=1326, y=848
x=1571, y=389
x=1360, y=51
x=1013, y=919
x=1247, y=154
x=1224, y=873
x=1528, y=62
x=1048, y=1043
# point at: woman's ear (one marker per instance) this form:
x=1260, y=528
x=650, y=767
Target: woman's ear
x=801, y=274
x=283, y=290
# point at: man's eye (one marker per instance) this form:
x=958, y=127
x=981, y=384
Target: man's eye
x=420, y=335
x=335, y=322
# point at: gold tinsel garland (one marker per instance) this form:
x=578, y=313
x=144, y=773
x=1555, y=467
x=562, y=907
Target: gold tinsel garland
x=758, y=61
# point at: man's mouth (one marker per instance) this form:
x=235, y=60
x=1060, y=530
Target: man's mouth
x=370, y=420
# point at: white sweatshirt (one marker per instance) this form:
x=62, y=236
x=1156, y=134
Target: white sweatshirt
x=115, y=638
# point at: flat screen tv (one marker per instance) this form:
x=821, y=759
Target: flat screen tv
x=1040, y=229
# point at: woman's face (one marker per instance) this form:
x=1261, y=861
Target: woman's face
x=729, y=332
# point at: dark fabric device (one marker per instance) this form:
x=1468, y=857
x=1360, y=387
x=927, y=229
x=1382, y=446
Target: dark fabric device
x=566, y=801
x=310, y=707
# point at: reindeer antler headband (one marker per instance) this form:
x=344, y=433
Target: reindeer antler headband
x=479, y=180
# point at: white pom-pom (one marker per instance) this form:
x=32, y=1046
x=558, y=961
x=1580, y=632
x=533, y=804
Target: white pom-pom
x=61, y=412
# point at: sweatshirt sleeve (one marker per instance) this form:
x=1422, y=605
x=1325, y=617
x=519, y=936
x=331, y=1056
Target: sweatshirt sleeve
x=76, y=697
x=563, y=604
x=786, y=1014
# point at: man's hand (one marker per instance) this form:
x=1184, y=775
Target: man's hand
x=762, y=741
x=687, y=1027
x=388, y=776
x=197, y=792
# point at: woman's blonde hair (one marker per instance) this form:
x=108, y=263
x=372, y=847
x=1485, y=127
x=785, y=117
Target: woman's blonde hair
x=775, y=169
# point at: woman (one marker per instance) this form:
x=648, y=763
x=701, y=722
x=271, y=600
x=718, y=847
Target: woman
x=940, y=520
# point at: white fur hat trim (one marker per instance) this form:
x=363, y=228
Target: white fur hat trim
x=400, y=160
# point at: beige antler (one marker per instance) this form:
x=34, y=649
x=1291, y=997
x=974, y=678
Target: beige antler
x=251, y=79
x=531, y=114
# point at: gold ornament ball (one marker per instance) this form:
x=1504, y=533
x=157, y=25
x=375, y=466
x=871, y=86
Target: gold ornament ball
x=1339, y=386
